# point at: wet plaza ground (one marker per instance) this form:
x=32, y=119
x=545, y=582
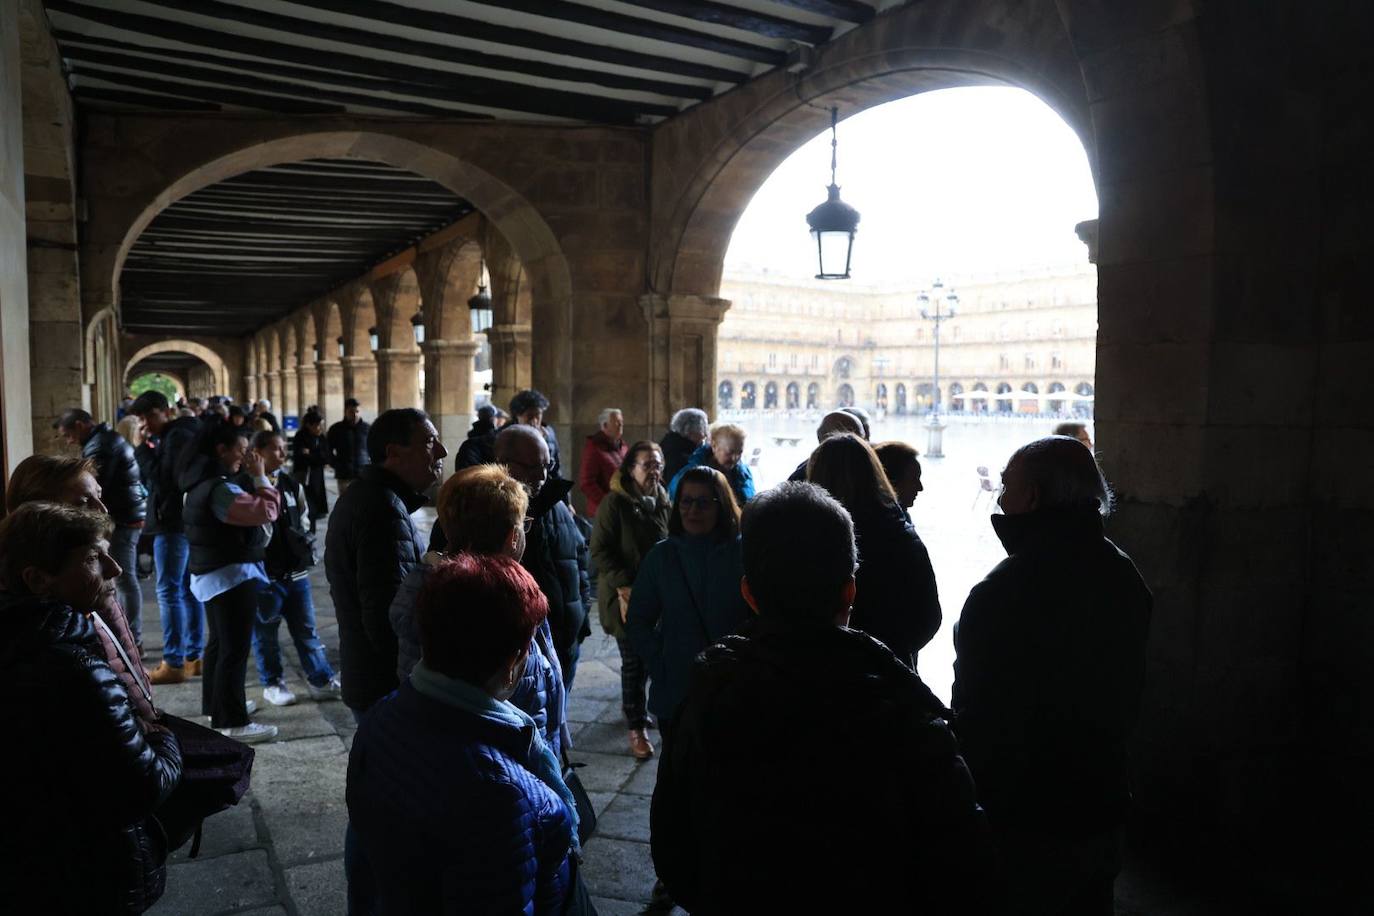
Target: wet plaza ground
x=280, y=852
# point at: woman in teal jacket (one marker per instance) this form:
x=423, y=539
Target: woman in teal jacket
x=687, y=594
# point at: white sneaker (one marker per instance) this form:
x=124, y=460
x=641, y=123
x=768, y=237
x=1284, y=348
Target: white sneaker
x=278, y=694
x=331, y=691
x=249, y=707
x=252, y=733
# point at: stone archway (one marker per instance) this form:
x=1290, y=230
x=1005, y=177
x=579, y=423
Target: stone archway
x=205, y=354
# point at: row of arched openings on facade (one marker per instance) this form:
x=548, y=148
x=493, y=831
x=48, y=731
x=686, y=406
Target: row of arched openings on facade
x=899, y=399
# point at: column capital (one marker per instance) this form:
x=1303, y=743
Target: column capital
x=327, y=366
x=451, y=347
x=508, y=333
x=678, y=307
x=398, y=357
x=358, y=361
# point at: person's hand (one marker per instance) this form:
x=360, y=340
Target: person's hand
x=623, y=593
x=252, y=463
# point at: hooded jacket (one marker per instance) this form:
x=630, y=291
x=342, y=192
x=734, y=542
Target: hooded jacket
x=556, y=555
x=78, y=804
x=807, y=763
x=1049, y=669
x=896, y=601
x=121, y=482
x=626, y=530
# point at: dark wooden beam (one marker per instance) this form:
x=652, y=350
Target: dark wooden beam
x=739, y=18
x=848, y=10
x=141, y=99
x=213, y=93
x=344, y=67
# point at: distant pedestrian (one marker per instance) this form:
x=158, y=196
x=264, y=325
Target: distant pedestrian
x=456, y=802
x=1047, y=682
x=687, y=594
x=310, y=455
x=807, y=764
x=725, y=453
x=630, y=521
x=480, y=445
x=1077, y=431
x=687, y=432
x=898, y=602
x=347, y=443
x=601, y=458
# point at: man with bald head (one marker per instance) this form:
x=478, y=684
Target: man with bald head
x=833, y=423
x=1047, y=681
x=555, y=551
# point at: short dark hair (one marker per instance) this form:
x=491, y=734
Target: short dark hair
x=527, y=400
x=727, y=520
x=41, y=534
x=263, y=437
x=393, y=427
x=70, y=417
x=474, y=613
x=311, y=417
x=896, y=457
x=351, y=402
x=237, y=411
x=791, y=576
x=214, y=435
x=147, y=401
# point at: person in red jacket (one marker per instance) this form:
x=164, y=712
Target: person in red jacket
x=601, y=458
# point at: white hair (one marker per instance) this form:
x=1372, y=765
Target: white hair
x=264, y=404
x=604, y=417
x=691, y=422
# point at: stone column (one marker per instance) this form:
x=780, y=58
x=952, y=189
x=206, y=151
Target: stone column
x=274, y=389
x=290, y=395
x=306, y=386
x=360, y=381
x=250, y=385
x=448, y=390
x=329, y=393
x=398, y=378
x=682, y=353
x=510, y=361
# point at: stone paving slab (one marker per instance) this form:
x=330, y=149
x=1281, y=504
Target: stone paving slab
x=318, y=889
x=299, y=786
x=219, y=885
x=234, y=830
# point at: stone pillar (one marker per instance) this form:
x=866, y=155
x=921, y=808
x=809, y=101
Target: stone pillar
x=398, y=378
x=250, y=385
x=682, y=353
x=306, y=386
x=448, y=390
x=360, y=381
x=290, y=403
x=274, y=390
x=510, y=361
x=329, y=384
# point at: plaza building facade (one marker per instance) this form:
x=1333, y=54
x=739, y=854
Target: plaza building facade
x=1020, y=342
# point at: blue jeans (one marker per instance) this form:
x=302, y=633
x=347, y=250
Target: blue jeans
x=183, y=617
x=124, y=549
x=290, y=600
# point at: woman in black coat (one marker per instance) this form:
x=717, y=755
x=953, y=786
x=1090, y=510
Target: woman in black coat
x=310, y=455
x=897, y=601
x=79, y=798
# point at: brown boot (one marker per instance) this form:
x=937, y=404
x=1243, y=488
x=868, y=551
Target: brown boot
x=193, y=667
x=639, y=744
x=166, y=674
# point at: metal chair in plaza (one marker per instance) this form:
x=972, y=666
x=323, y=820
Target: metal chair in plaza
x=985, y=488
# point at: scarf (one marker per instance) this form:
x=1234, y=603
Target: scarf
x=539, y=758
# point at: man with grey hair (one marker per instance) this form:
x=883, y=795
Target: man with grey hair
x=686, y=432
x=1047, y=681
x=262, y=410
x=601, y=458
x=833, y=423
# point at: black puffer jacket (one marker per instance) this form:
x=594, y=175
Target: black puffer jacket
x=896, y=600
x=165, y=461
x=348, y=448
x=677, y=448
x=82, y=781
x=806, y=764
x=121, y=482
x=1048, y=675
x=370, y=547
x=478, y=448
x=556, y=555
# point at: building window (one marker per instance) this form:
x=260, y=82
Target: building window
x=1030, y=361
x=1004, y=362
x=1056, y=361
x=772, y=360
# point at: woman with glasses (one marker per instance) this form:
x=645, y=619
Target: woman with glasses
x=687, y=595
x=631, y=519
x=725, y=453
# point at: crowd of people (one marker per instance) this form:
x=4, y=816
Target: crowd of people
x=770, y=638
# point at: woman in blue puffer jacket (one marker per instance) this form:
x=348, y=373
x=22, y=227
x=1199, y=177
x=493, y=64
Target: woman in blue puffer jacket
x=687, y=593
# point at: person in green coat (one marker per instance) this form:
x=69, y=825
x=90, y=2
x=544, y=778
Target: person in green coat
x=631, y=519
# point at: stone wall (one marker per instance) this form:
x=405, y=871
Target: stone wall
x=14, y=292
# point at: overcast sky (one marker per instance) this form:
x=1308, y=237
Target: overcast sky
x=947, y=182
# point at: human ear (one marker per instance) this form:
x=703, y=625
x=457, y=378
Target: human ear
x=748, y=595
x=36, y=580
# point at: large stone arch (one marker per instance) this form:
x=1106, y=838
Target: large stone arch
x=200, y=351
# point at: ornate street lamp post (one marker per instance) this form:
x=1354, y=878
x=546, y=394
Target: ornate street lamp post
x=935, y=430
x=834, y=222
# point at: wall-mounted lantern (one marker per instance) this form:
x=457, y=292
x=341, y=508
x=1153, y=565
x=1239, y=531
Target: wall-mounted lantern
x=373, y=339
x=340, y=342
x=480, y=304
x=417, y=324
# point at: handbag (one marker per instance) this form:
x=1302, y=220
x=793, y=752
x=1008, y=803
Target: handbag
x=215, y=774
x=586, y=814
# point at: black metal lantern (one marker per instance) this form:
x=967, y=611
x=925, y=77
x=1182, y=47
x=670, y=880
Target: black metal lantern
x=417, y=324
x=480, y=304
x=340, y=342
x=316, y=348
x=373, y=340
x=833, y=223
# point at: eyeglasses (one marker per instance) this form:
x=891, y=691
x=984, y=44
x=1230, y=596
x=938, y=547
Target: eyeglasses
x=650, y=465
x=698, y=502
x=528, y=523
x=547, y=466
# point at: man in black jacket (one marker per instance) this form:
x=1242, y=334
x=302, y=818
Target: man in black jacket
x=527, y=409
x=555, y=551
x=347, y=441
x=170, y=444
x=807, y=763
x=122, y=491
x=1047, y=681
x=371, y=545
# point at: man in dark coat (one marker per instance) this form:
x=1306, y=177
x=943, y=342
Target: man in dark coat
x=1048, y=676
x=527, y=409
x=799, y=727
x=347, y=440
x=121, y=488
x=687, y=432
x=171, y=442
x=833, y=423
x=555, y=551
x=371, y=545
x=480, y=445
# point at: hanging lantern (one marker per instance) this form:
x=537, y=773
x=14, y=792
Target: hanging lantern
x=373, y=339
x=316, y=348
x=479, y=305
x=417, y=324
x=833, y=223
x=340, y=342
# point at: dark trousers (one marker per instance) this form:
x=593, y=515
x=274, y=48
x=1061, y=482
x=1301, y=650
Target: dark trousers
x=230, y=635
x=633, y=676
